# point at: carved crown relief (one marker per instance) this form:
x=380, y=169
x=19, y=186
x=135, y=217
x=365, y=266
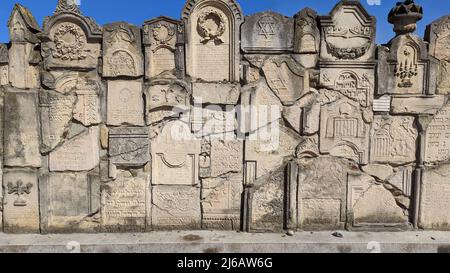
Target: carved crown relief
x=348, y=33
x=164, y=34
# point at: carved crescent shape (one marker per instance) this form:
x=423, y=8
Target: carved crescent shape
x=174, y=160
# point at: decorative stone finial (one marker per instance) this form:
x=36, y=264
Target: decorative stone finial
x=404, y=16
x=67, y=6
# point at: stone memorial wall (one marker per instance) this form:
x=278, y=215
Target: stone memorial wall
x=221, y=121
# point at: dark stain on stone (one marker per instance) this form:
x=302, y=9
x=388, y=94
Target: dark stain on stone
x=212, y=250
x=344, y=249
x=443, y=249
x=192, y=237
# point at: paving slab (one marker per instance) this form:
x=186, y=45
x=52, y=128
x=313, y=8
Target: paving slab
x=229, y=242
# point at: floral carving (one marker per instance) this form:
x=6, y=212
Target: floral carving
x=67, y=6
x=348, y=53
x=69, y=43
x=121, y=63
x=163, y=34
x=211, y=26
x=120, y=35
x=19, y=189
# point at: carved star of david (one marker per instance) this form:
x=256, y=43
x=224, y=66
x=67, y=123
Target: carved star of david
x=267, y=28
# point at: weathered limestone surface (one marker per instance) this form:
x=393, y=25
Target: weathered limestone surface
x=438, y=35
x=125, y=206
x=434, y=213
x=125, y=103
x=21, y=140
x=176, y=207
x=220, y=120
x=122, y=50
x=23, y=56
x=72, y=202
x=221, y=202
x=393, y=140
x=161, y=37
x=78, y=154
x=322, y=193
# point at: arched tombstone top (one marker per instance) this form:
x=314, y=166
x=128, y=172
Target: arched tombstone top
x=22, y=25
x=71, y=13
x=69, y=39
x=212, y=39
x=408, y=39
x=348, y=33
x=233, y=7
x=438, y=36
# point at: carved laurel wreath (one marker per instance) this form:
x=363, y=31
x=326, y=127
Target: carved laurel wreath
x=69, y=51
x=207, y=33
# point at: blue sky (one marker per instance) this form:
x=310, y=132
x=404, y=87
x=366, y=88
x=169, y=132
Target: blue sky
x=137, y=11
